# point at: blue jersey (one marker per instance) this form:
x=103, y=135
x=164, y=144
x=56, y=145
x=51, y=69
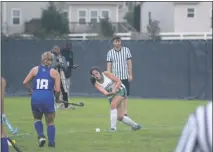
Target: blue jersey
x=42, y=98
x=43, y=81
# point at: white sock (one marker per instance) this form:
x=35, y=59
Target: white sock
x=126, y=120
x=113, y=117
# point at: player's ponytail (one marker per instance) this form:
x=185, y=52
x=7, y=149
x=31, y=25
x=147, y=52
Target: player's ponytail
x=93, y=80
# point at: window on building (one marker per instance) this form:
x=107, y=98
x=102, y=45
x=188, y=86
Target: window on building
x=82, y=15
x=16, y=17
x=93, y=16
x=104, y=14
x=190, y=12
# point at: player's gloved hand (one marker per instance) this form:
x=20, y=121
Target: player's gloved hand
x=60, y=64
x=110, y=93
x=114, y=91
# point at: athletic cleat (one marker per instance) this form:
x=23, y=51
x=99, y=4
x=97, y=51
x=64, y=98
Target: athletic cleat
x=41, y=141
x=52, y=145
x=112, y=130
x=137, y=127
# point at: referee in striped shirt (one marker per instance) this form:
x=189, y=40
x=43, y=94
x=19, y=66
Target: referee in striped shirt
x=197, y=133
x=120, y=64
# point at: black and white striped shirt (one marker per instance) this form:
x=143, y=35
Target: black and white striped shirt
x=119, y=61
x=197, y=133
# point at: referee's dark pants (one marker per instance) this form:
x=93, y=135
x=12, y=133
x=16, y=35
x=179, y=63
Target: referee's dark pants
x=127, y=85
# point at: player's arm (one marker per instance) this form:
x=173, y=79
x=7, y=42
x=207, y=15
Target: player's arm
x=28, y=78
x=115, y=79
x=64, y=65
x=109, y=66
x=3, y=85
x=109, y=62
x=102, y=90
x=129, y=63
x=56, y=76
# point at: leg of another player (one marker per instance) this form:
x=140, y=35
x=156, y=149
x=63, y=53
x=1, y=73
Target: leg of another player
x=4, y=143
x=126, y=120
x=113, y=113
x=50, y=128
x=125, y=101
x=39, y=128
x=125, y=104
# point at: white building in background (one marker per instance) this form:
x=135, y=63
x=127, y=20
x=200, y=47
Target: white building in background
x=86, y=15
x=15, y=14
x=82, y=16
x=178, y=17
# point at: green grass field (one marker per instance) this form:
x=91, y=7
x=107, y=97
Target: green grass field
x=162, y=120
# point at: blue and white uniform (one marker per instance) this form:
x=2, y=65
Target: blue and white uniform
x=42, y=99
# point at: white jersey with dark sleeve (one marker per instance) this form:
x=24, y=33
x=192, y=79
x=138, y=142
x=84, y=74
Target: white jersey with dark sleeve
x=197, y=133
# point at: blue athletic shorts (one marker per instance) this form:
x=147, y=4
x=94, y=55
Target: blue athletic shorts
x=42, y=103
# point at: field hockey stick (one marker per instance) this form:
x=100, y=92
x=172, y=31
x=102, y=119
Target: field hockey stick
x=8, y=124
x=14, y=145
x=80, y=104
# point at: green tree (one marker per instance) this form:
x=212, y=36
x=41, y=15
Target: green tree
x=129, y=18
x=34, y=27
x=53, y=21
x=133, y=17
x=137, y=17
x=153, y=29
x=107, y=28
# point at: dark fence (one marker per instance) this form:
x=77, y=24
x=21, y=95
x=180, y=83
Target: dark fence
x=161, y=69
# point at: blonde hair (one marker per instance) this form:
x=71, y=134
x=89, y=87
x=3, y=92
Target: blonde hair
x=46, y=58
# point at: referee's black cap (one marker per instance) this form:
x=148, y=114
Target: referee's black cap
x=116, y=38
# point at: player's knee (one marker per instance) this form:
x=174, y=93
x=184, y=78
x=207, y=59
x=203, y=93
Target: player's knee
x=113, y=105
x=37, y=117
x=50, y=121
x=50, y=124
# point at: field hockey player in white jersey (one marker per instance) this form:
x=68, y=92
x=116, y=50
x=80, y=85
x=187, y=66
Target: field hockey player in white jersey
x=111, y=86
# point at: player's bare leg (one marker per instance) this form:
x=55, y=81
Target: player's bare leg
x=125, y=105
x=39, y=128
x=4, y=143
x=114, y=113
x=50, y=128
x=126, y=120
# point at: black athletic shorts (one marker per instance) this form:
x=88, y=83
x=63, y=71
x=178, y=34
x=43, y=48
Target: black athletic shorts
x=127, y=85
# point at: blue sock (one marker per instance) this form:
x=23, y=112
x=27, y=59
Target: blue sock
x=51, y=134
x=39, y=128
x=4, y=145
